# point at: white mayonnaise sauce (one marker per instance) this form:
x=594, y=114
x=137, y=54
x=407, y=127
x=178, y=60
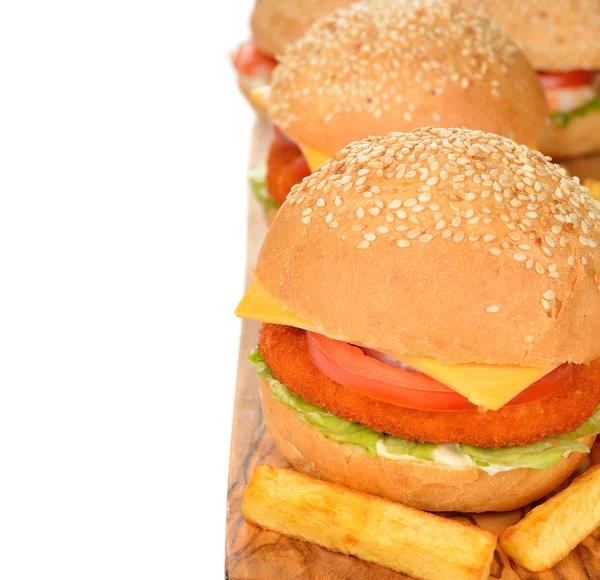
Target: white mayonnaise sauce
x=449, y=455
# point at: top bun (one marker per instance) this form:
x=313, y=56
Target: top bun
x=384, y=65
x=450, y=243
x=555, y=35
x=277, y=23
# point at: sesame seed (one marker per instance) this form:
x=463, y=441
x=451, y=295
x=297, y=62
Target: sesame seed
x=494, y=251
x=413, y=234
x=334, y=225
x=360, y=212
x=459, y=236
x=370, y=236
x=320, y=202
x=489, y=238
x=426, y=238
x=519, y=257
x=383, y=229
x=307, y=211
x=403, y=243
x=493, y=309
x=394, y=204
x=549, y=295
x=546, y=305
x=374, y=211
x=306, y=220
x=363, y=245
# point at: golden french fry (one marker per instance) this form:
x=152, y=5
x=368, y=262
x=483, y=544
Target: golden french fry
x=551, y=530
x=594, y=186
x=376, y=530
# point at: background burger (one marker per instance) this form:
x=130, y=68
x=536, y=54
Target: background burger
x=274, y=24
x=382, y=65
x=561, y=39
x=431, y=304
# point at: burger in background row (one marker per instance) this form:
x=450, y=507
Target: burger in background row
x=384, y=65
x=561, y=38
x=431, y=302
x=274, y=25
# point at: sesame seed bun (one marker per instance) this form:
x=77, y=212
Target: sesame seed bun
x=450, y=243
x=383, y=65
x=554, y=35
x=277, y=23
x=580, y=137
x=426, y=486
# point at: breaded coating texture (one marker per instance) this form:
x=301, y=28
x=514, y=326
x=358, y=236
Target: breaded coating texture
x=285, y=351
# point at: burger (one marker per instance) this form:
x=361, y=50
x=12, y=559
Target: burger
x=274, y=24
x=430, y=304
x=561, y=40
x=387, y=65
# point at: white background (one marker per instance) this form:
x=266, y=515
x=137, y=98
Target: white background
x=123, y=145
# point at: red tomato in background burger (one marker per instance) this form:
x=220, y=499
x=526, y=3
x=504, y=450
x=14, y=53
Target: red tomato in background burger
x=249, y=61
x=348, y=365
x=570, y=79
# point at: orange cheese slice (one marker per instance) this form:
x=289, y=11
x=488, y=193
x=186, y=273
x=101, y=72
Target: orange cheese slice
x=313, y=157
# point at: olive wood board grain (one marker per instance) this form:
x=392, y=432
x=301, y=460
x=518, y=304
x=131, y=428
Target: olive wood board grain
x=253, y=553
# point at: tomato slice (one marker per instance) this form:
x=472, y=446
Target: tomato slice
x=350, y=366
x=572, y=78
x=250, y=61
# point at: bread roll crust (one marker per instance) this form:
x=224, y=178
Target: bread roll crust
x=554, y=35
x=421, y=485
x=382, y=65
x=448, y=243
x=277, y=23
x=580, y=137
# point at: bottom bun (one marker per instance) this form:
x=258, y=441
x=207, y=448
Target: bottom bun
x=580, y=137
x=421, y=485
x=247, y=85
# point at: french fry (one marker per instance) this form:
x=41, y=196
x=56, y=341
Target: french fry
x=342, y=520
x=594, y=186
x=551, y=530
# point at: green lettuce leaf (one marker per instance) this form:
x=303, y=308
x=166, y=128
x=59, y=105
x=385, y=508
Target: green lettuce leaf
x=397, y=446
x=258, y=183
x=541, y=455
x=334, y=427
x=563, y=119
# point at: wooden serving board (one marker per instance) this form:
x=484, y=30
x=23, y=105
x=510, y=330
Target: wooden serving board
x=252, y=553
